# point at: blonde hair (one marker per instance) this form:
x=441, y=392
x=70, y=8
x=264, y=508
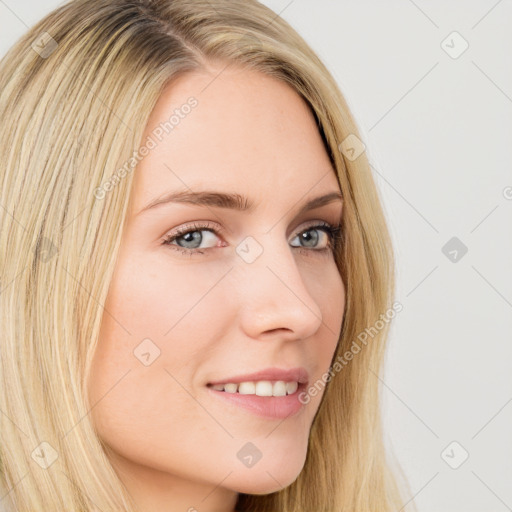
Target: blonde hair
x=76, y=93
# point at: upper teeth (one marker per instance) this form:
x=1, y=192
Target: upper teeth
x=260, y=388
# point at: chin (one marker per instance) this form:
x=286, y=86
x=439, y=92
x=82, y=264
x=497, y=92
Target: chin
x=267, y=478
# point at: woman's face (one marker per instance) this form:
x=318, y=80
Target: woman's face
x=246, y=290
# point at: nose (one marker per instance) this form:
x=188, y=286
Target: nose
x=273, y=297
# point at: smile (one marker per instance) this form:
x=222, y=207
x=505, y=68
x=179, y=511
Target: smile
x=274, y=400
x=259, y=388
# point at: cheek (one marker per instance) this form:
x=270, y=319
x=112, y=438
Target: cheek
x=156, y=325
x=328, y=290
x=150, y=299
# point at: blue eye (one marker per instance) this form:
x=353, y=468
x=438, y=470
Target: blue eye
x=188, y=239
x=190, y=236
x=331, y=232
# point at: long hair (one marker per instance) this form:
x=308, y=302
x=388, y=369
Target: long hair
x=76, y=92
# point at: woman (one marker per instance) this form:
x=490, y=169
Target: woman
x=192, y=243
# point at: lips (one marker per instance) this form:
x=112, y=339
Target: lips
x=263, y=392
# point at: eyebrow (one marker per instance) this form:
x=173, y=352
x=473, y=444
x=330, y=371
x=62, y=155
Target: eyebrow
x=231, y=201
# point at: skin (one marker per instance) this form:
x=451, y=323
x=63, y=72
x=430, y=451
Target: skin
x=213, y=315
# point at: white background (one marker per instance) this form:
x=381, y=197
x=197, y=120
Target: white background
x=438, y=132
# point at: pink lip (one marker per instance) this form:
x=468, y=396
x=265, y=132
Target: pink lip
x=298, y=374
x=276, y=407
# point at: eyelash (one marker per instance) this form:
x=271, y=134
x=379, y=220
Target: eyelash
x=333, y=232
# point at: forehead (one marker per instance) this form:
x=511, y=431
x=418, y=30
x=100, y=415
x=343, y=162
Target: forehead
x=247, y=132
